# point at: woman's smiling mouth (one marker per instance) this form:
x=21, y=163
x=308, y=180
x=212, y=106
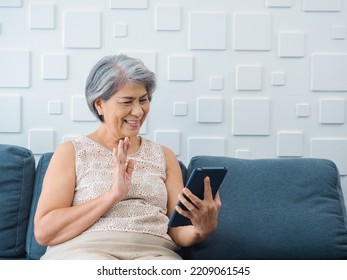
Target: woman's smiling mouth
x=133, y=123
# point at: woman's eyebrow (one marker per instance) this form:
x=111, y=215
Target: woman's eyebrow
x=132, y=98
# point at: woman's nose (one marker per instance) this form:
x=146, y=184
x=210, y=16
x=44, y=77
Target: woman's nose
x=137, y=109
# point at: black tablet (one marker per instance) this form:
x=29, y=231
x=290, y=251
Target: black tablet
x=195, y=184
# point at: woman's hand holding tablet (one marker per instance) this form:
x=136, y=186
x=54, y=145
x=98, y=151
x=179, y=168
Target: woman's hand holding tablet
x=195, y=184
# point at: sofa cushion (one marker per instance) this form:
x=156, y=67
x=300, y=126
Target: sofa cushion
x=33, y=249
x=276, y=209
x=17, y=169
x=183, y=170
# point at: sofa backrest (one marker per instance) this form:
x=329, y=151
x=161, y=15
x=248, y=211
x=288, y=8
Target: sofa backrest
x=17, y=171
x=34, y=251
x=276, y=209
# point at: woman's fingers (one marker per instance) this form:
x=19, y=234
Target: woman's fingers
x=126, y=145
x=207, y=189
x=196, y=201
x=123, y=168
x=130, y=167
x=120, y=153
x=203, y=213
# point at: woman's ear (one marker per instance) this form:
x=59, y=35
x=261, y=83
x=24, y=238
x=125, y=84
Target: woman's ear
x=98, y=105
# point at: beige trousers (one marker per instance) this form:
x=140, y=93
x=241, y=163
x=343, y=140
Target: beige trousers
x=113, y=245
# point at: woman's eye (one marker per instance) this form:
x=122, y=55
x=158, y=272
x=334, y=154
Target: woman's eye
x=130, y=102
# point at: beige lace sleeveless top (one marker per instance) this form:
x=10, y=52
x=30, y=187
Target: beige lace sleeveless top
x=144, y=208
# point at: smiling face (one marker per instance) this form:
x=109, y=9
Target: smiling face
x=125, y=111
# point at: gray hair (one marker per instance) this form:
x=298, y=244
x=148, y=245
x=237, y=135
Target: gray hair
x=111, y=73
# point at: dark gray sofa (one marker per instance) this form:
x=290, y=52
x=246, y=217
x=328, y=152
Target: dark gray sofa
x=272, y=208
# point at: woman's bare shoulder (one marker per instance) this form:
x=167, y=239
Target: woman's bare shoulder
x=64, y=153
x=170, y=156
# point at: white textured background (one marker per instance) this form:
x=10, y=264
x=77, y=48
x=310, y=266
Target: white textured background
x=243, y=78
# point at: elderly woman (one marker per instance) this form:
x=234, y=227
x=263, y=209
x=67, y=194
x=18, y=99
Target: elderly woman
x=109, y=194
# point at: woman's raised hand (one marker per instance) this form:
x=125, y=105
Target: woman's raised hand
x=123, y=169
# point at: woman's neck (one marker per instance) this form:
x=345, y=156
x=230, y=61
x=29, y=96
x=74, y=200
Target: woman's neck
x=110, y=141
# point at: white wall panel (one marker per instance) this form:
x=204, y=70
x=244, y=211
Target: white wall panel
x=245, y=154
x=328, y=72
x=207, y=31
x=249, y=77
x=55, y=107
x=213, y=146
x=216, y=83
x=322, y=5
x=252, y=31
x=180, y=109
x=55, y=66
x=15, y=68
x=291, y=44
x=303, y=110
x=168, y=18
x=209, y=110
x=10, y=3
x=82, y=29
x=278, y=78
x=170, y=139
x=251, y=116
x=42, y=16
x=290, y=143
x=180, y=68
x=338, y=32
x=128, y=4
x=120, y=30
x=10, y=113
x=332, y=111
x=279, y=3
x=79, y=110
x=41, y=140
x=334, y=149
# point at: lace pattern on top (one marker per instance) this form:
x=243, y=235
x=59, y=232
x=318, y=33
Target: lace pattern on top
x=144, y=208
